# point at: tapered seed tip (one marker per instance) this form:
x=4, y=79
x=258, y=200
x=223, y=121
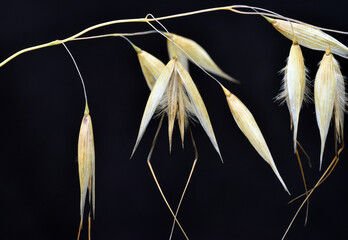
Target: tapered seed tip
x=86, y=109
x=270, y=20
x=294, y=41
x=321, y=159
x=137, y=49
x=328, y=50
x=135, y=147
x=226, y=92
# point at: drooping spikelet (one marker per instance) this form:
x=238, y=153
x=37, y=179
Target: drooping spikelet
x=150, y=65
x=176, y=94
x=309, y=37
x=86, y=162
x=325, y=92
x=196, y=52
x=294, y=89
x=340, y=102
x=250, y=129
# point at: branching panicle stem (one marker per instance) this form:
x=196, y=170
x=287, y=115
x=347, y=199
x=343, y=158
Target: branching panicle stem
x=77, y=68
x=233, y=8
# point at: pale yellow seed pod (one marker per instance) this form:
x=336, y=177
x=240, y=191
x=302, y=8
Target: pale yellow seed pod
x=309, y=37
x=150, y=65
x=294, y=86
x=250, y=129
x=86, y=162
x=324, y=96
x=340, y=102
x=196, y=52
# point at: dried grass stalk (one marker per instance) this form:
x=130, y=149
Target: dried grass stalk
x=309, y=37
x=250, y=129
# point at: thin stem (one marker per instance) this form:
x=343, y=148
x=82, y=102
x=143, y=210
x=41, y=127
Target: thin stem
x=77, y=68
x=114, y=35
x=327, y=175
x=134, y=20
x=305, y=153
x=272, y=14
x=187, y=183
x=232, y=8
x=322, y=178
x=89, y=225
x=305, y=185
x=79, y=232
x=155, y=178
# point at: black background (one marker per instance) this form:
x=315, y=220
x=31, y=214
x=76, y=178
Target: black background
x=42, y=106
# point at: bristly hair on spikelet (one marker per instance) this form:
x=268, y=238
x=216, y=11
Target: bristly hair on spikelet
x=294, y=87
x=341, y=102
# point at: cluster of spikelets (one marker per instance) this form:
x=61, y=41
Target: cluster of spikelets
x=329, y=88
x=174, y=93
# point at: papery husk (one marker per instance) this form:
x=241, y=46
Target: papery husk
x=324, y=96
x=86, y=162
x=154, y=99
x=309, y=37
x=150, y=65
x=294, y=88
x=250, y=129
x=340, y=103
x=176, y=94
x=196, y=52
x=198, y=105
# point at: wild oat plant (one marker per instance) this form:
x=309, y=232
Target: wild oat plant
x=174, y=95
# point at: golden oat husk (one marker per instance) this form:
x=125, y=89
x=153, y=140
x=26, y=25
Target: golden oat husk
x=196, y=52
x=154, y=99
x=294, y=90
x=309, y=37
x=150, y=65
x=325, y=87
x=250, y=129
x=175, y=93
x=340, y=103
x=86, y=162
x=197, y=104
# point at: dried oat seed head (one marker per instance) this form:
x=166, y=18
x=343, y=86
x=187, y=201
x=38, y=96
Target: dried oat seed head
x=86, y=162
x=325, y=89
x=309, y=37
x=294, y=90
x=250, y=129
x=196, y=52
x=175, y=94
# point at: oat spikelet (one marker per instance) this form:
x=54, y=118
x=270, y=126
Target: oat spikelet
x=154, y=99
x=294, y=90
x=150, y=65
x=86, y=162
x=196, y=52
x=309, y=37
x=325, y=89
x=340, y=102
x=199, y=108
x=250, y=129
x=175, y=94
